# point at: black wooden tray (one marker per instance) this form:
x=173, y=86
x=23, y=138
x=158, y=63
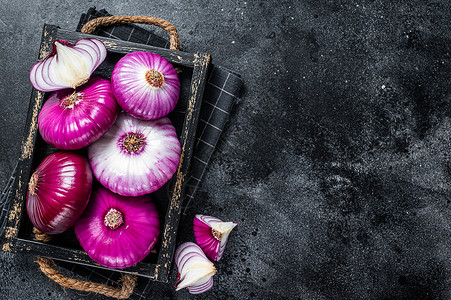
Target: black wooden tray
x=18, y=235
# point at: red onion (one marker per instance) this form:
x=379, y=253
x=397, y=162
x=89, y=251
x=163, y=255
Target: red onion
x=73, y=119
x=68, y=65
x=145, y=85
x=58, y=191
x=195, y=271
x=135, y=157
x=118, y=232
x=212, y=235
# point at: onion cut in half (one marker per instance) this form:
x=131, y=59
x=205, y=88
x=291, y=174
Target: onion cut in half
x=195, y=270
x=145, y=85
x=73, y=119
x=212, y=235
x=118, y=232
x=68, y=65
x=135, y=157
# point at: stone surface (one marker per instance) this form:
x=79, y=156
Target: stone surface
x=335, y=162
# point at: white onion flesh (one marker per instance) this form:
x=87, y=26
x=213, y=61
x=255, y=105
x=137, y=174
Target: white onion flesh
x=195, y=269
x=68, y=66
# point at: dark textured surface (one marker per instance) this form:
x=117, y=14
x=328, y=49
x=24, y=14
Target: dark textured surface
x=335, y=163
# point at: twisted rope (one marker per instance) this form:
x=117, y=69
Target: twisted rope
x=128, y=282
x=41, y=237
x=92, y=25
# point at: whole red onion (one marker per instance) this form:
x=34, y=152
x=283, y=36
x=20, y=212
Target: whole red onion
x=118, y=232
x=73, y=119
x=135, y=157
x=145, y=85
x=58, y=191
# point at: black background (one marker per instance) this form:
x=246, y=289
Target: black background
x=335, y=163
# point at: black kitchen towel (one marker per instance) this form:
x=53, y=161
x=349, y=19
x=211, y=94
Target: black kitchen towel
x=221, y=91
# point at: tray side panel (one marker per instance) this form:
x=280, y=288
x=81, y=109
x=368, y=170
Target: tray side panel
x=27, y=150
x=178, y=57
x=201, y=64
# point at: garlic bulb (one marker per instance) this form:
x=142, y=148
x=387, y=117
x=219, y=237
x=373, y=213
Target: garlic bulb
x=195, y=271
x=68, y=65
x=212, y=235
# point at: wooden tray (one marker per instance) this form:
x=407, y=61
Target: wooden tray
x=18, y=236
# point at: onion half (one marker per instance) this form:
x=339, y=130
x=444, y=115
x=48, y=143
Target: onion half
x=68, y=65
x=145, y=85
x=135, y=157
x=195, y=271
x=59, y=191
x=75, y=119
x=118, y=232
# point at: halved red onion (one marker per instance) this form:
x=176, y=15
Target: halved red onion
x=73, y=119
x=195, y=271
x=212, y=235
x=145, y=85
x=135, y=157
x=118, y=232
x=58, y=191
x=68, y=65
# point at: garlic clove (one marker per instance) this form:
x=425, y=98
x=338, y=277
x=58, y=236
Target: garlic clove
x=194, y=268
x=212, y=235
x=68, y=65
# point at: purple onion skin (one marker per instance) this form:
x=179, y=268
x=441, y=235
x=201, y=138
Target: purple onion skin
x=137, y=173
x=203, y=236
x=135, y=95
x=77, y=127
x=61, y=193
x=126, y=245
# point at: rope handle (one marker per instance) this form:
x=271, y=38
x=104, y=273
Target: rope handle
x=128, y=282
x=92, y=25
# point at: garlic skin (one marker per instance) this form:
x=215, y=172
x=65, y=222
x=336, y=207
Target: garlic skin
x=68, y=65
x=212, y=235
x=195, y=270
